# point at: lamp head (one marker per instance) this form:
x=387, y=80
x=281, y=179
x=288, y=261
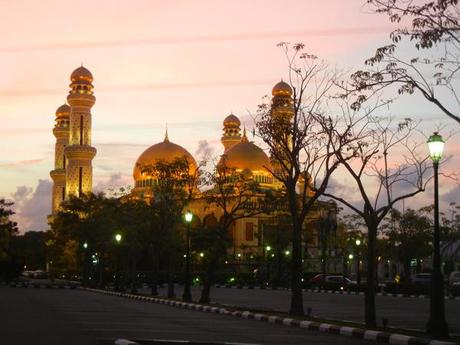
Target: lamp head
x=85, y=245
x=188, y=216
x=435, y=147
x=118, y=238
x=358, y=242
x=268, y=248
x=350, y=256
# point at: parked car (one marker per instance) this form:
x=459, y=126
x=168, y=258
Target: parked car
x=454, y=283
x=332, y=282
x=422, y=279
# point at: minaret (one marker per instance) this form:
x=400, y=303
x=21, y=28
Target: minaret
x=282, y=112
x=231, y=135
x=80, y=153
x=282, y=103
x=61, y=132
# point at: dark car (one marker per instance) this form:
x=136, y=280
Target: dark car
x=454, y=283
x=422, y=279
x=332, y=282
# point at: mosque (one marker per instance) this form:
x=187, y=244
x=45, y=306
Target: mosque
x=72, y=174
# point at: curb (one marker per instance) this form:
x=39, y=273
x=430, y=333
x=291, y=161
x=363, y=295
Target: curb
x=378, y=336
x=336, y=292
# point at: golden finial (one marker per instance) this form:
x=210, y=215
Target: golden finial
x=166, y=134
x=244, y=138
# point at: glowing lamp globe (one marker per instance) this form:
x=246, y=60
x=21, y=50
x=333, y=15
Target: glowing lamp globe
x=435, y=146
x=188, y=217
x=118, y=238
x=358, y=242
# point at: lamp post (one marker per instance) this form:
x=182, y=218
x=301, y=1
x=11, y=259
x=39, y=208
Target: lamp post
x=268, y=249
x=85, y=264
x=118, y=238
x=187, y=295
x=437, y=325
x=358, y=268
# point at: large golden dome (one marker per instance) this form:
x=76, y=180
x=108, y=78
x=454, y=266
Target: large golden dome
x=165, y=151
x=81, y=74
x=282, y=89
x=246, y=156
x=63, y=111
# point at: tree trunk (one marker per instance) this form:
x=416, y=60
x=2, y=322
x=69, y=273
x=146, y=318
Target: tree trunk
x=369, y=300
x=154, y=277
x=208, y=281
x=171, y=293
x=296, y=269
x=100, y=283
x=133, y=272
x=407, y=278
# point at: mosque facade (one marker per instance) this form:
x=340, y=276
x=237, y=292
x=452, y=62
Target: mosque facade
x=72, y=173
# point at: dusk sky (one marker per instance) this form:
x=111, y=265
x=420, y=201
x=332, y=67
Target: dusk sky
x=184, y=63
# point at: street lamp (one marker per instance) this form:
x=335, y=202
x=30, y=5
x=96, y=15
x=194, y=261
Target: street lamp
x=437, y=325
x=187, y=295
x=86, y=264
x=358, y=268
x=118, y=238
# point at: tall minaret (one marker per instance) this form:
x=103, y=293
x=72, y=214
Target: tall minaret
x=282, y=112
x=231, y=135
x=61, y=132
x=80, y=153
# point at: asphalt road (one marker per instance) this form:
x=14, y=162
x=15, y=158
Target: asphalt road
x=410, y=313
x=62, y=316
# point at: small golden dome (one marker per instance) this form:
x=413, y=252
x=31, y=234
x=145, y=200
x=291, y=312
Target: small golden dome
x=232, y=120
x=81, y=74
x=282, y=89
x=246, y=155
x=165, y=151
x=63, y=111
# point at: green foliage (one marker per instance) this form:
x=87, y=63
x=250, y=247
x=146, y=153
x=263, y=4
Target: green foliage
x=8, y=228
x=409, y=233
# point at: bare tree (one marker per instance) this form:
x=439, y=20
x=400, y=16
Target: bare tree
x=304, y=141
x=386, y=167
x=234, y=195
x=434, y=28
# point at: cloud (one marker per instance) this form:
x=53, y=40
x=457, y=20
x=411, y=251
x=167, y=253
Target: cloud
x=204, y=150
x=32, y=206
x=21, y=163
x=112, y=183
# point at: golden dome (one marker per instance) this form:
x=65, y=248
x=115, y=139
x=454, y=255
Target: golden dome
x=246, y=155
x=232, y=120
x=165, y=151
x=81, y=74
x=63, y=111
x=282, y=89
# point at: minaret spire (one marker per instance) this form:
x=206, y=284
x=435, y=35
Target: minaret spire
x=80, y=153
x=166, y=140
x=231, y=135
